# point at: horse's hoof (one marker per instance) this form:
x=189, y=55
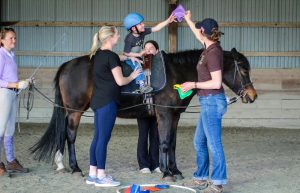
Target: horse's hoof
x=60, y=171
x=77, y=171
x=178, y=177
x=168, y=178
x=80, y=174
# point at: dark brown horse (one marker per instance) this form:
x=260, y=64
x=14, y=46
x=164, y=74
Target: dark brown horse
x=73, y=88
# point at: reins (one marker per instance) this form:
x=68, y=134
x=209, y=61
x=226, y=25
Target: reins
x=30, y=101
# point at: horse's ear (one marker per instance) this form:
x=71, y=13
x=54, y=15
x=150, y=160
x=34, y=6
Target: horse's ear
x=234, y=53
x=233, y=50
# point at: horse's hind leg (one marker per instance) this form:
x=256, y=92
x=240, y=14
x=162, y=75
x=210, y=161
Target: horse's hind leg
x=59, y=158
x=172, y=157
x=73, y=120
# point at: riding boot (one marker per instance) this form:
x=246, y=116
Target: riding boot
x=2, y=169
x=15, y=167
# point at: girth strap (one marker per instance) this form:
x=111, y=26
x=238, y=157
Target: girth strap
x=148, y=98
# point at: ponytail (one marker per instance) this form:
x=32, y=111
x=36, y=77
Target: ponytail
x=100, y=37
x=95, y=45
x=216, y=35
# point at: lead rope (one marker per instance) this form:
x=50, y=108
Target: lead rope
x=30, y=101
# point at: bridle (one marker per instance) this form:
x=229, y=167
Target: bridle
x=241, y=92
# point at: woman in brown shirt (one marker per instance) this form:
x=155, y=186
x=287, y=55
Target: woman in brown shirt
x=213, y=106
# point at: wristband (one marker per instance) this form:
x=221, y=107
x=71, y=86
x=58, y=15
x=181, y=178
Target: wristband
x=17, y=86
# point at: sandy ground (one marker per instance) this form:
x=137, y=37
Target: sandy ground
x=258, y=160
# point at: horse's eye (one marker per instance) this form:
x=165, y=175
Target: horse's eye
x=243, y=72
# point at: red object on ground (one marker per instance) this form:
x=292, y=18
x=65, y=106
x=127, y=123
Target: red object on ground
x=151, y=188
x=127, y=190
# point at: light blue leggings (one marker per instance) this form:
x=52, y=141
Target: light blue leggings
x=8, y=112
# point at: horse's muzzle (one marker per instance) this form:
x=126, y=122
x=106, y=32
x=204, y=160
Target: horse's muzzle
x=249, y=94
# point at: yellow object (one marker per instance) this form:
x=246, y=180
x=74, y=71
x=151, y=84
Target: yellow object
x=182, y=94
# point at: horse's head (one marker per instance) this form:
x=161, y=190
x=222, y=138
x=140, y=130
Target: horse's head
x=237, y=75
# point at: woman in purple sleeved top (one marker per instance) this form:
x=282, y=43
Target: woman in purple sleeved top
x=9, y=86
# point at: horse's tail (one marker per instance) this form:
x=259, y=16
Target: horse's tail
x=54, y=137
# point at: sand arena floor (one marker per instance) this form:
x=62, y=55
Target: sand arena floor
x=258, y=160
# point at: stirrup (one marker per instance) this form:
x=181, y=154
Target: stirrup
x=146, y=89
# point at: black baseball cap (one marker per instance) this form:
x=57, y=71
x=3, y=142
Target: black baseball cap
x=208, y=25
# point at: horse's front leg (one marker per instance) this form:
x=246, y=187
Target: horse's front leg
x=172, y=157
x=72, y=126
x=164, y=126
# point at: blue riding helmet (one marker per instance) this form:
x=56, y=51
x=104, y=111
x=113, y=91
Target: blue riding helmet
x=132, y=19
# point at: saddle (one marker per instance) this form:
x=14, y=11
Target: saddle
x=154, y=69
x=147, y=62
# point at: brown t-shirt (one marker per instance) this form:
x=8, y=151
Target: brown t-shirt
x=211, y=60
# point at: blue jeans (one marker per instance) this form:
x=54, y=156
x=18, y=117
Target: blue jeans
x=104, y=122
x=209, y=133
x=136, y=65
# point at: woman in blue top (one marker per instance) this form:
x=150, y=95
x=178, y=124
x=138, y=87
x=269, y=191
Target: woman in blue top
x=107, y=79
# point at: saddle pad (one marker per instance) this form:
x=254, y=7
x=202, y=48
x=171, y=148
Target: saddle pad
x=158, y=76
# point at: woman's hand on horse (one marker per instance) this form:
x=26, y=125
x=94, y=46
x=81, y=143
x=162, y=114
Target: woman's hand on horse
x=186, y=86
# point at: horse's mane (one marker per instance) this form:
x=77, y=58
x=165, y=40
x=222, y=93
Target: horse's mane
x=184, y=57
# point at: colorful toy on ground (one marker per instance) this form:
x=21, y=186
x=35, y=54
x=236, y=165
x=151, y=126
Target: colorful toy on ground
x=149, y=188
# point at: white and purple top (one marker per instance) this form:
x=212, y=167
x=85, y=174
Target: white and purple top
x=8, y=68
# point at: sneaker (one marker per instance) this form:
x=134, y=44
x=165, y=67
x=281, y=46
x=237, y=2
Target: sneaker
x=213, y=189
x=145, y=171
x=90, y=180
x=106, y=181
x=2, y=169
x=197, y=184
x=146, y=89
x=15, y=167
x=157, y=170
